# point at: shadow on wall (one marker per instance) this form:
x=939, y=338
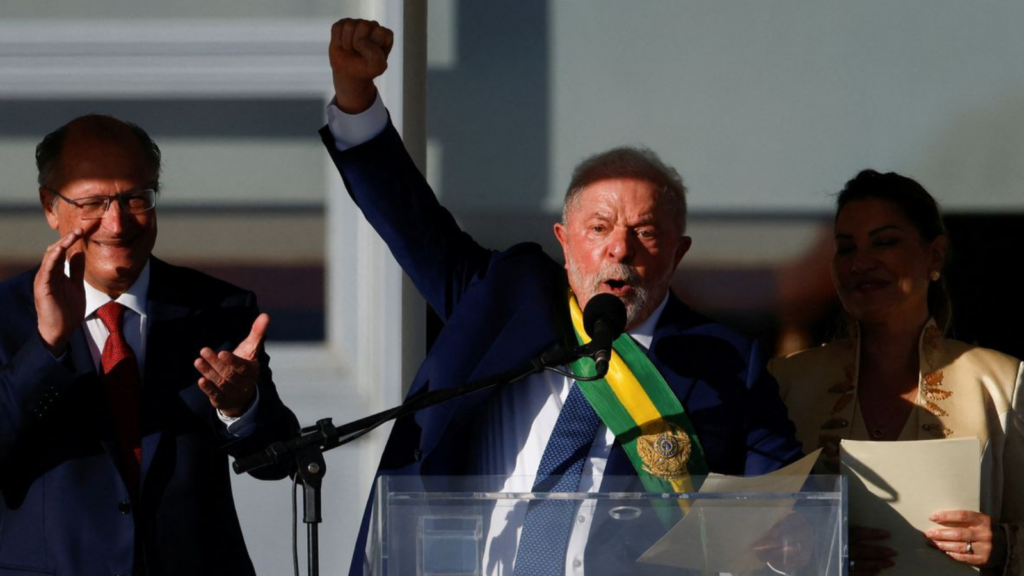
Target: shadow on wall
x=490, y=112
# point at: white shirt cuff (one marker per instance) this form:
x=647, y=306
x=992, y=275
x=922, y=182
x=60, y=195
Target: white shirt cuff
x=243, y=425
x=350, y=130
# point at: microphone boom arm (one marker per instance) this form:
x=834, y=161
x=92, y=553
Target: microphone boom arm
x=325, y=435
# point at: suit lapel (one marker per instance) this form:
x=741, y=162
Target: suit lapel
x=84, y=365
x=527, y=332
x=165, y=311
x=619, y=463
x=529, y=327
x=675, y=320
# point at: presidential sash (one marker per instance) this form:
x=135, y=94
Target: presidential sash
x=637, y=405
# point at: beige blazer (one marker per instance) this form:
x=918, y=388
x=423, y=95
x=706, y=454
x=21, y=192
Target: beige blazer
x=963, y=391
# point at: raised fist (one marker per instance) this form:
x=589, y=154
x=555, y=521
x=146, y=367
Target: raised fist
x=359, y=54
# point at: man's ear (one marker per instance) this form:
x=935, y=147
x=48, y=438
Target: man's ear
x=562, y=233
x=684, y=246
x=46, y=198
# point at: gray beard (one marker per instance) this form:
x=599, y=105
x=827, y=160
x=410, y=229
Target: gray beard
x=639, y=305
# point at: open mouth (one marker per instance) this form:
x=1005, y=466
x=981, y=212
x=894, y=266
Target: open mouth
x=618, y=287
x=870, y=285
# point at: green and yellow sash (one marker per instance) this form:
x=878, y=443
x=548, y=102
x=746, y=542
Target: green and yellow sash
x=637, y=405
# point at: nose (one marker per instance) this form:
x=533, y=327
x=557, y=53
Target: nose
x=620, y=245
x=862, y=262
x=113, y=218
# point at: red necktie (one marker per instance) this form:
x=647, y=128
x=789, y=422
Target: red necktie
x=120, y=377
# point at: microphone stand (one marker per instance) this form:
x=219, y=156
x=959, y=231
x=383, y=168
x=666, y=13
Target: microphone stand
x=306, y=451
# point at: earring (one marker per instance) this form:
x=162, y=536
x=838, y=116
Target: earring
x=935, y=275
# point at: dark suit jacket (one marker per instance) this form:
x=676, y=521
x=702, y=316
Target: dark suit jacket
x=503, y=308
x=64, y=508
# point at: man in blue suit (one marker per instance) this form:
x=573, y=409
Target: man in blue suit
x=124, y=381
x=623, y=233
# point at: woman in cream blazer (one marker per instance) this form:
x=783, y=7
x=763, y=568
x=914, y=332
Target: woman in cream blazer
x=896, y=378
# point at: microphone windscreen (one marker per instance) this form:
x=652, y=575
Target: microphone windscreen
x=608, y=309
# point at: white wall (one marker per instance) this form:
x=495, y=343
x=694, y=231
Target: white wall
x=762, y=106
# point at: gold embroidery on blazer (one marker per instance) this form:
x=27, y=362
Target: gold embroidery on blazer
x=937, y=430
x=829, y=442
x=841, y=388
x=936, y=394
x=835, y=423
x=932, y=392
x=934, y=409
x=842, y=402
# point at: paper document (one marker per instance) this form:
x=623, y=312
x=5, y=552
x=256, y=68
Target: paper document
x=718, y=535
x=896, y=486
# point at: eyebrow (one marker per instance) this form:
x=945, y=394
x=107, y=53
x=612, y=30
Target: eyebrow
x=874, y=232
x=645, y=220
x=594, y=216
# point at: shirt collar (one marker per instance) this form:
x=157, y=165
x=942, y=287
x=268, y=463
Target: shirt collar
x=133, y=299
x=644, y=333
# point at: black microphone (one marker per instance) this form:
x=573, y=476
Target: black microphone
x=604, y=320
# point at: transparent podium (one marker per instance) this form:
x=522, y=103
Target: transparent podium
x=468, y=526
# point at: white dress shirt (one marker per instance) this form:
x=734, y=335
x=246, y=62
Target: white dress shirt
x=136, y=331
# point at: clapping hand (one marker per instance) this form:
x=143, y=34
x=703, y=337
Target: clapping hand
x=229, y=378
x=59, y=298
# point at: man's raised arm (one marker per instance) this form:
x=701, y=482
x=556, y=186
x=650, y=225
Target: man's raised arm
x=441, y=259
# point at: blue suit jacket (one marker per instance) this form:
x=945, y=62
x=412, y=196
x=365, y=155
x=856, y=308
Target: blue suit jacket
x=503, y=308
x=64, y=508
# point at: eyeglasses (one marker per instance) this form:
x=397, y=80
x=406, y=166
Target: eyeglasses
x=94, y=207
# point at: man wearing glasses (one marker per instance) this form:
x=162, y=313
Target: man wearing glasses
x=124, y=381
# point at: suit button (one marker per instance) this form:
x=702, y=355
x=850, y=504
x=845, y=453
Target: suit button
x=124, y=507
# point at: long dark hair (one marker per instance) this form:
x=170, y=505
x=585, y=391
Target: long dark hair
x=920, y=209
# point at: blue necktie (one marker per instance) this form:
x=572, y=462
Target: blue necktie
x=549, y=522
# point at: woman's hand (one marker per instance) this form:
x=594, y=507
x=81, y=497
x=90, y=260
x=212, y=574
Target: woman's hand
x=967, y=537
x=865, y=557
